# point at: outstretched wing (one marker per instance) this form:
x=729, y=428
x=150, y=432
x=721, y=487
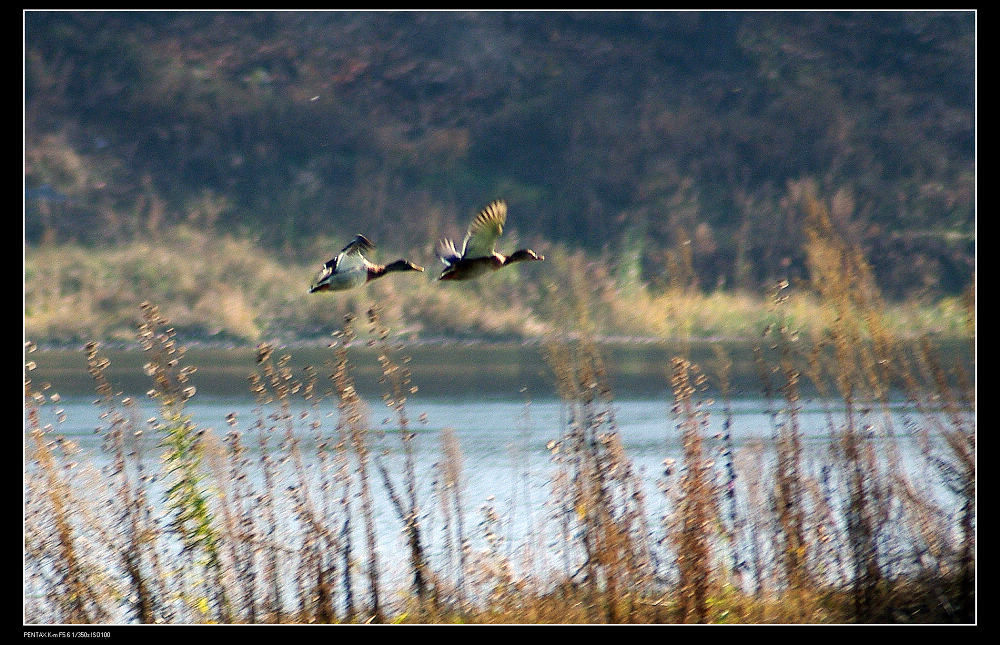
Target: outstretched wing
x=351, y=255
x=485, y=230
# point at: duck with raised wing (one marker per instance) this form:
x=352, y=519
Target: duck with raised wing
x=350, y=268
x=479, y=255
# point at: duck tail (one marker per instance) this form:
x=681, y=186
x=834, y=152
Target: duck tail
x=447, y=252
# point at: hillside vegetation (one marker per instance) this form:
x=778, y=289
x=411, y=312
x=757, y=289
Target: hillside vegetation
x=674, y=146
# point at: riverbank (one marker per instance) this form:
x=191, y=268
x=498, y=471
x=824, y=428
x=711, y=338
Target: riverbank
x=223, y=291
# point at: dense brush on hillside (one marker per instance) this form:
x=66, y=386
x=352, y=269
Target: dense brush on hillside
x=668, y=137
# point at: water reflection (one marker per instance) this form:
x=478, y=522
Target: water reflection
x=636, y=370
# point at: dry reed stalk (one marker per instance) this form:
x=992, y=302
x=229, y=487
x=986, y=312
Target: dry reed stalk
x=790, y=484
x=736, y=528
x=68, y=588
x=63, y=532
x=320, y=518
x=450, y=498
x=957, y=470
x=273, y=383
x=696, y=514
x=600, y=491
x=268, y=500
x=240, y=519
x=862, y=375
x=129, y=483
x=315, y=567
x=334, y=468
x=352, y=420
x=396, y=376
x=187, y=500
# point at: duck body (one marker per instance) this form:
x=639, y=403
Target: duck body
x=340, y=281
x=479, y=255
x=350, y=268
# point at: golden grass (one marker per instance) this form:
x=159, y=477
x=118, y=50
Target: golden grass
x=222, y=288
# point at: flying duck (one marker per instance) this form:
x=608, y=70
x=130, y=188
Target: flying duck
x=479, y=254
x=350, y=268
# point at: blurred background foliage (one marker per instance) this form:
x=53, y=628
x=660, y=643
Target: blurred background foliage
x=675, y=146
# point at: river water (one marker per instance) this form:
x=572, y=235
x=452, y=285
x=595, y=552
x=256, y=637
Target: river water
x=503, y=410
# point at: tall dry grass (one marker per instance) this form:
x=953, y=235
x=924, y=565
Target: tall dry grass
x=276, y=520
